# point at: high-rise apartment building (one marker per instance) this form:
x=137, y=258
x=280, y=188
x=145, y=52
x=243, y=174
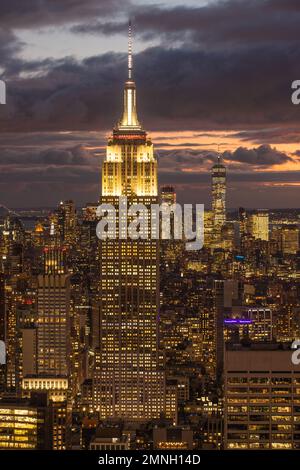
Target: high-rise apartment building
x=127, y=380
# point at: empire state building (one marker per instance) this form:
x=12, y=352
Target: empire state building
x=128, y=380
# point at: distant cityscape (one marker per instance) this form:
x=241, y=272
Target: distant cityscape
x=140, y=344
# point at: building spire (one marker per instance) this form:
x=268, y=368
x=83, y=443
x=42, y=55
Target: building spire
x=129, y=51
x=219, y=155
x=129, y=120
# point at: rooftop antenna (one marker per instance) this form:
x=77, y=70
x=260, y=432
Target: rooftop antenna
x=129, y=51
x=219, y=155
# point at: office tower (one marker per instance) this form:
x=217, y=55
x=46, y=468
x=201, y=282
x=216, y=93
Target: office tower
x=227, y=293
x=127, y=382
x=261, y=326
x=25, y=344
x=25, y=424
x=262, y=405
x=259, y=225
x=208, y=229
x=38, y=236
x=89, y=212
x=218, y=342
x=54, y=258
x=243, y=221
x=60, y=414
x=218, y=198
x=171, y=248
x=2, y=331
x=228, y=236
x=168, y=195
x=289, y=239
x=67, y=221
x=51, y=372
x=53, y=360
x=11, y=299
x=53, y=335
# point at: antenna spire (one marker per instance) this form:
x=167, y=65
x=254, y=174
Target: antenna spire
x=219, y=155
x=129, y=51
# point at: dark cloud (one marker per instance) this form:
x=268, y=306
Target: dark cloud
x=280, y=135
x=219, y=23
x=191, y=159
x=74, y=156
x=34, y=141
x=183, y=87
x=177, y=89
x=36, y=13
x=264, y=155
x=10, y=45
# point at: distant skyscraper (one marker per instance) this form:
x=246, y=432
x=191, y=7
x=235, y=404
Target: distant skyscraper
x=168, y=195
x=53, y=335
x=259, y=225
x=290, y=239
x=67, y=221
x=54, y=260
x=218, y=198
x=2, y=316
x=48, y=364
x=242, y=221
x=127, y=381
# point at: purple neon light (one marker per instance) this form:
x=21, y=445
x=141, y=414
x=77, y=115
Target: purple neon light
x=237, y=321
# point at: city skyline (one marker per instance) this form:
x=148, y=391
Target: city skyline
x=127, y=324
x=63, y=68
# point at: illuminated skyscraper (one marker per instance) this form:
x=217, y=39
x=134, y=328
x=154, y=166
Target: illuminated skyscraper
x=127, y=381
x=259, y=225
x=290, y=239
x=168, y=195
x=242, y=221
x=261, y=389
x=218, y=198
x=53, y=357
x=53, y=334
x=67, y=221
x=25, y=424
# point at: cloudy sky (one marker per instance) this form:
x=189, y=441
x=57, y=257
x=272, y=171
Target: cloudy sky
x=209, y=74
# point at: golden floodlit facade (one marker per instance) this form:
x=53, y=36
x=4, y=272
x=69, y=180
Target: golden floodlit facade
x=128, y=381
